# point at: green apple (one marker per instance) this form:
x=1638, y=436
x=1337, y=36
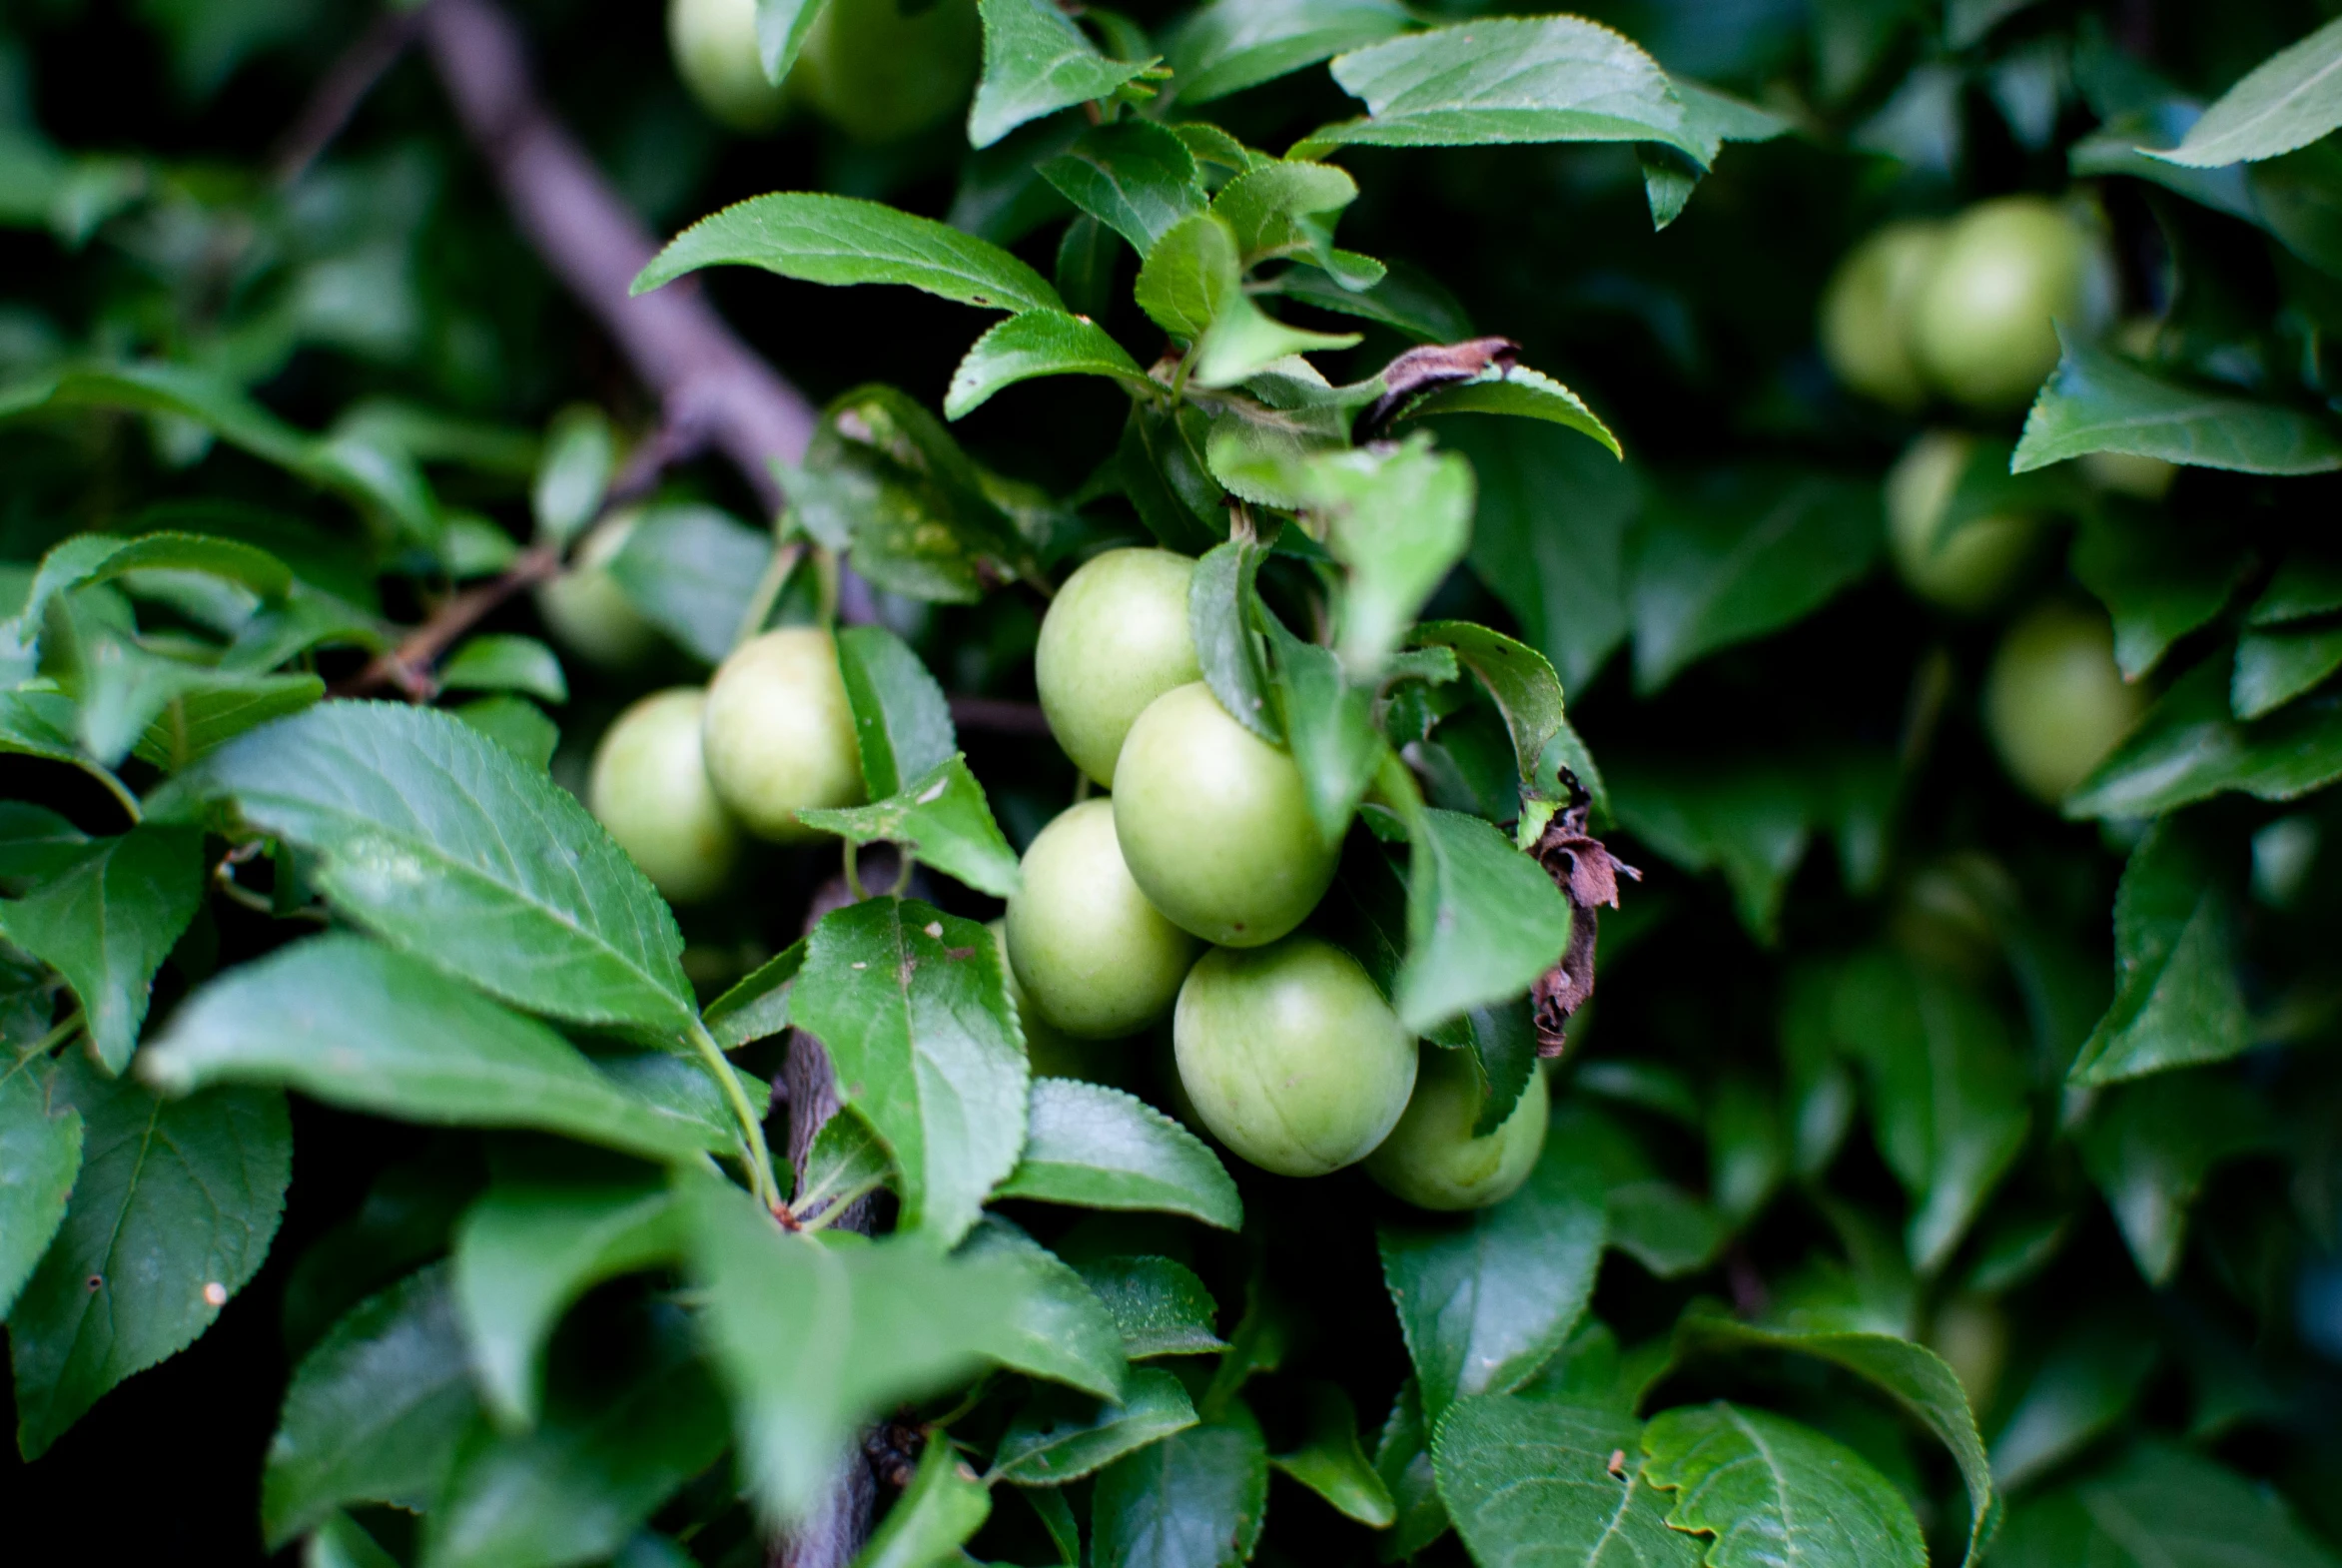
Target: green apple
x=1215, y=823
x=1431, y=1158
x=1290, y=1055
x=585, y=609
x=780, y=734
x=882, y=70
x=1981, y=330
x=1096, y=959
x=1867, y=313
x=714, y=45
x=2055, y=704
x=1116, y=638
x=1970, y=565
x=649, y=789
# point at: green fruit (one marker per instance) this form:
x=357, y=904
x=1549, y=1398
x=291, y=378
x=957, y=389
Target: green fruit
x=585, y=609
x=1116, y=638
x=1867, y=311
x=1431, y=1158
x=881, y=70
x=714, y=45
x=1290, y=1055
x=1970, y=565
x=2054, y=703
x=1981, y=331
x=1094, y=955
x=780, y=735
x=1215, y=823
x=649, y=789
x=1051, y=1052
x=2128, y=473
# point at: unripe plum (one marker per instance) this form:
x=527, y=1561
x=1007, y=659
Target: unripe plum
x=585, y=609
x=1981, y=331
x=1969, y=566
x=1116, y=638
x=1051, y=1052
x=714, y=45
x=2055, y=704
x=1432, y=1159
x=780, y=734
x=881, y=70
x=649, y=790
x=1096, y=959
x=1290, y=1055
x=1215, y=823
x=1867, y=313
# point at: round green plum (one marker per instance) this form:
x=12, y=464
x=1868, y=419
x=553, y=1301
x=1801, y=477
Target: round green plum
x=780, y=735
x=2055, y=704
x=1290, y=1055
x=1215, y=823
x=714, y=45
x=1432, y=1159
x=1051, y=1052
x=1867, y=313
x=649, y=789
x=1116, y=638
x=882, y=70
x=1969, y=566
x=1094, y=955
x=1981, y=330
x=585, y=609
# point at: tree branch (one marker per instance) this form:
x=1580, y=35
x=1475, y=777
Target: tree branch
x=343, y=87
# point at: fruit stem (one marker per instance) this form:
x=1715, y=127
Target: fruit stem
x=761, y=1179
x=854, y=874
x=768, y=590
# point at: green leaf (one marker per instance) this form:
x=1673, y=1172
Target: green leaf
x=107, y=920
x=40, y=1153
x=169, y=709
x=913, y=1008
x=1485, y=1298
x=2303, y=588
x=1516, y=390
x=781, y=29
x=693, y=571
x=943, y=818
x=405, y=1041
x=2087, y=1381
x=1193, y=1500
x=1529, y=1484
x=171, y=1215
x=1222, y=606
x=1056, y=1439
x=1408, y=300
x=2100, y=401
x=845, y=1162
x=572, y=472
x=1753, y=821
x=1158, y=1306
x=1161, y=464
x=1098, y=1147
x=1402, y=1462
x=527, y=1250
x=812, y=1340
x=88, y=559
x=1772, y=1491
x=1541, y=79
x=1518, y=679
x=1035, y=62
x=2274, y=667
x=2160, y=1507
x=1948, y=1091
x=1282, y=207
x=613, y=1446
x=374, y=1413
x=340, y=1542
x=1033, y=343
x=1192, y=287
x=1328, y=724
x=1059, y=1330
x=1916, y=1376
x=2150, y=1145
x=2190, y=747
x=943, y=1506
x=210, y=711
x=1483, y=921
x=2158, y=579
x=503, y=663
x=844, y=240
x=1331, y=1463
x=2287, y=101
x=902, y=720
x=1231, y=45
x=516, y=724
x=2177, y=1000
x=35, y=842
x=1712, y=119
x=1739, y=558
x=437, y=839
x=1130, y=174
x=758, y=1007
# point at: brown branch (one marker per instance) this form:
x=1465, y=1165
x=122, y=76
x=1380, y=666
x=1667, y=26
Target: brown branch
x=344, y=87
x=409, y=666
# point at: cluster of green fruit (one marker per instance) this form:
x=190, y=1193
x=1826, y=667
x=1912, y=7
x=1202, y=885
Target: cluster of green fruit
x=1968, y=310
x=878, y=70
